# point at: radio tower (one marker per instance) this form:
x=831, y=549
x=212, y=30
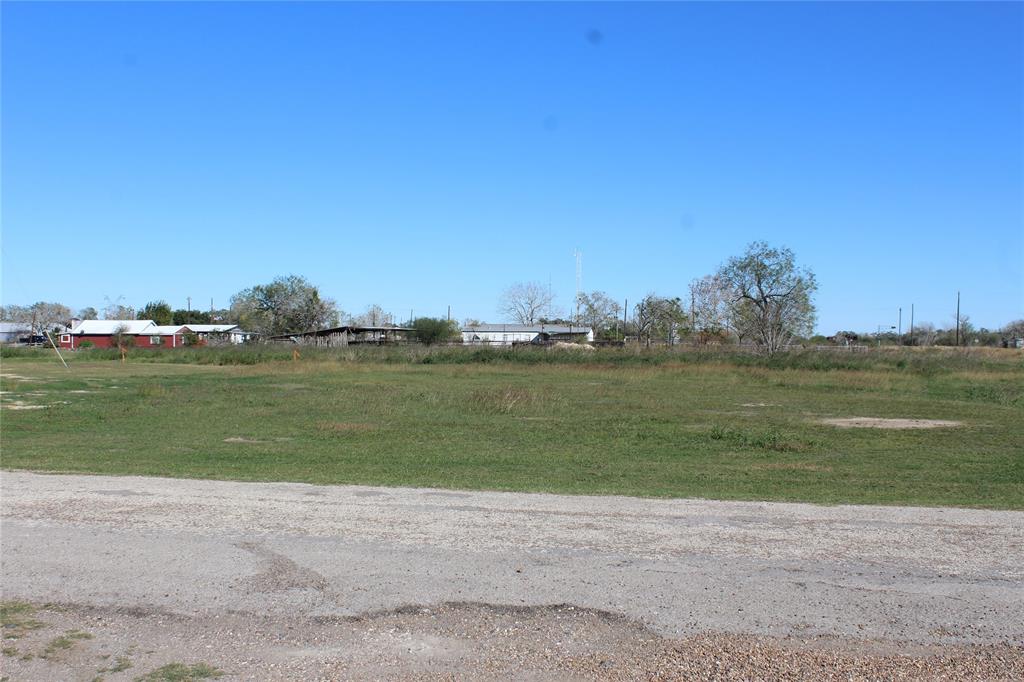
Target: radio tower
x=579, y=280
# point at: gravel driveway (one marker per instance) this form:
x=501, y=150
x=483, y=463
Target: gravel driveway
x=293, y=581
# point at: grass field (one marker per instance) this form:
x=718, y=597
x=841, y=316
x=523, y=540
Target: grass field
x=612, y=422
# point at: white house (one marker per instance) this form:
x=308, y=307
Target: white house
x=10, y=332
x=507, y=334
x=228, y=332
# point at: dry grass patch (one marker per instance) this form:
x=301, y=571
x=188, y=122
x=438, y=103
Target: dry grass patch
x=344, y=426
x=504, y=400
x=878, y=423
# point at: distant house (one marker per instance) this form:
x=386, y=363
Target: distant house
x=100, y=333
x=168, y=336
x=214, y=332
x=508, y=334
x=11, y=332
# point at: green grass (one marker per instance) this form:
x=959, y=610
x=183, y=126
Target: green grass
x=179, y=672
x=714, y=425
x=17, y=618
x=65, y=641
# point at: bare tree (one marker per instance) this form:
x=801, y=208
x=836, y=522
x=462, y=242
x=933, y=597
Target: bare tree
x=925, y=334
x=771, y=296
x=709, y=305
x=116, y=310
x=122, y=340
x=526, y=302
x=373, y=317
x=40, y=317
x=88, y=313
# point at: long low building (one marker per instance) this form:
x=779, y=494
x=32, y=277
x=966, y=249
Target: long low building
x=508, y=334
x=147, y=334
x=347, y=335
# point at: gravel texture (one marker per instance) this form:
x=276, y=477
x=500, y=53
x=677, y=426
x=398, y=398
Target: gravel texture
x=290, y=581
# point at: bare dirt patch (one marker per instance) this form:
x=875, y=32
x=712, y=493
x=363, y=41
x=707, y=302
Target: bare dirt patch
x=879, y=423
x=19, y=405
x=464, y=640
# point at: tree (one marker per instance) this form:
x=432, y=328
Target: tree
x=1012, y=331
x=709, y=305
x=286, y=305
x=771, y=297
x=658, y=317
x=88, y=313
x=526, y=302
x=116, y=310
x=431, y=330
x=374, y=316
x=158, y=311
x=185, y=316
x=598, y=311
x=40, y=317
x=925, y=334
x=122, y=340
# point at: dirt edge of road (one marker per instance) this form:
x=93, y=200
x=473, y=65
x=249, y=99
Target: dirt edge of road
x=451, y=640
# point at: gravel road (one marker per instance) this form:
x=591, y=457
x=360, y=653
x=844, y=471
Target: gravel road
x=293, y=581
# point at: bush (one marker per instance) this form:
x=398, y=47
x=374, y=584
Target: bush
x=431, y=330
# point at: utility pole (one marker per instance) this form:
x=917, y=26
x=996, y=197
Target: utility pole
x=449, y=313
x=188, y=315
x=625, y=312
x=899, y=332
x=912, y=324
x=958, y=319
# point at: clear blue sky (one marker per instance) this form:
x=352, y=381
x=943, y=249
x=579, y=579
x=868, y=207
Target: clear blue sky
x=421, y=155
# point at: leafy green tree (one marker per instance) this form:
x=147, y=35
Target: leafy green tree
x=284, y=306
x=770, y=296
x=88, y=313
x=183, y=316
x=158, y=311
x=656, y=317
x=431, y=330
x=598, y=311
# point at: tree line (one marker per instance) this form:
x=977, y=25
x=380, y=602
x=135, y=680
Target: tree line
x=762, y=297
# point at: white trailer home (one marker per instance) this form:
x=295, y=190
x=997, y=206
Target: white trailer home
x=508, y=334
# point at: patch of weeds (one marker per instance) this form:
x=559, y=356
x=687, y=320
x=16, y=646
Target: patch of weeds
x=9, y=651
x=17, y=618
x=121, y=664
x=501, y=400
x=65, y=641
x=179, y=672
x=772, y=441
x=153, y=391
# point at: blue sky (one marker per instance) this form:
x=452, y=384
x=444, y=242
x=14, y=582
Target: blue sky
x=426, y=155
